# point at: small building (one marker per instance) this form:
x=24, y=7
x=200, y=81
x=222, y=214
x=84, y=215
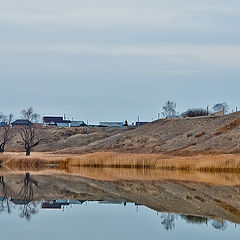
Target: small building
x=96, y=126
x=78, y=124
x=64, y=123
x=112, y=124
x=218, y=114
x=139, y=124
x=56, y=121
x=21, y=122
x=2, y=124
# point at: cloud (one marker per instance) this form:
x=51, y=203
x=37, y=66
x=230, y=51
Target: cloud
x=107, y=12
x=213, y=55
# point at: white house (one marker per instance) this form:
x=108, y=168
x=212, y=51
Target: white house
x=112, y=124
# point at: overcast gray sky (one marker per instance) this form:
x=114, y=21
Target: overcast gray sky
x=114, y=60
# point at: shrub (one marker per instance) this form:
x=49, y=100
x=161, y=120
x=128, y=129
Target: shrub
x=195, y=112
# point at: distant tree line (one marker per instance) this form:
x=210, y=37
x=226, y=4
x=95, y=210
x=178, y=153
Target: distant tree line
x=169, y=110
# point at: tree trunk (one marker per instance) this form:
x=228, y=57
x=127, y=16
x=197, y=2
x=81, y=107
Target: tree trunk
x=28, y=151
x=2, y=148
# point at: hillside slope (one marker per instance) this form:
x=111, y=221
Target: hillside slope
x=170, y=136
x=174, y=136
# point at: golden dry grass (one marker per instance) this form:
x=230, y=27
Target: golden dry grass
x=213, y=169
x=35, y=161
x=227, y=163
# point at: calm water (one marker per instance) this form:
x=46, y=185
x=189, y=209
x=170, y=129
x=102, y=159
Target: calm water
x=72, y=207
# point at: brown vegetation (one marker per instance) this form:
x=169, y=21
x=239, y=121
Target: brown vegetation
x=229, y=163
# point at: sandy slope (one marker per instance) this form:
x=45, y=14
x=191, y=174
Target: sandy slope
x=176, y=136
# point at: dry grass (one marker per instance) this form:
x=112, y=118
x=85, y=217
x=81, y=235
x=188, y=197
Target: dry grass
x=200, y=135
x=227, y=163
x=213, y=169
x=114, y=160
x=232, y=125
x=36, y=160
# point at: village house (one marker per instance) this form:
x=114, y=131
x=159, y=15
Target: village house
x=21, y=122
x=2, y=124
x=112, y=124
x=78, y=124
x=56, y=121
x=139, y=124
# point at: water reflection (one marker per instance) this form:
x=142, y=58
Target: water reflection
x=173, y=201
x=168, y=220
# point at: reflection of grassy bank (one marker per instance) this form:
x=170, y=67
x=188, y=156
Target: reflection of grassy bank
x=229, y=163
x=111, y=174
x=209, y=163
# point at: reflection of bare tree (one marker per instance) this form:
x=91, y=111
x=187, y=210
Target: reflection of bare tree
x=168, y=221
x=26, y=193
x=25, y=197
x=5, y=198
x=28, y=210
x=220, y=225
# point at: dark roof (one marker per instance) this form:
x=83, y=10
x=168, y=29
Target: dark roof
x=20, y=201
x=141, y=123
x=53, y=119
x=66, y=121
x=21, y=122
x=47, y=205
x=3, y=124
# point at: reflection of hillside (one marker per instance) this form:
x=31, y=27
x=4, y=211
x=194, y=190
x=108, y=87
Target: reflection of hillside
x=169, y=195
x=154, y=174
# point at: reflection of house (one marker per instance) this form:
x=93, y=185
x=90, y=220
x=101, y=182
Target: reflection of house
x=112, y=124
x=56, y=121
x=21, y=122
x=112, y=202
x=20, y=202
x=78, y=124
x=76, y=201
x=64, y=202
x=55, y=204
x=51, y=205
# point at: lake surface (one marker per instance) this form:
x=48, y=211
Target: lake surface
x=55, y=205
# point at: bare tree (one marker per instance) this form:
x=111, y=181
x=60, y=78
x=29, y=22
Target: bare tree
x=221, y=107
x=169, y=109
x=28, y=130
x=7, y=134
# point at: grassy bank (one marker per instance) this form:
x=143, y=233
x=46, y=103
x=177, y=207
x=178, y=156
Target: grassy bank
x=228, y=163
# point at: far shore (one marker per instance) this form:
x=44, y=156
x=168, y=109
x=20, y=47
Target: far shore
x=226, y=163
